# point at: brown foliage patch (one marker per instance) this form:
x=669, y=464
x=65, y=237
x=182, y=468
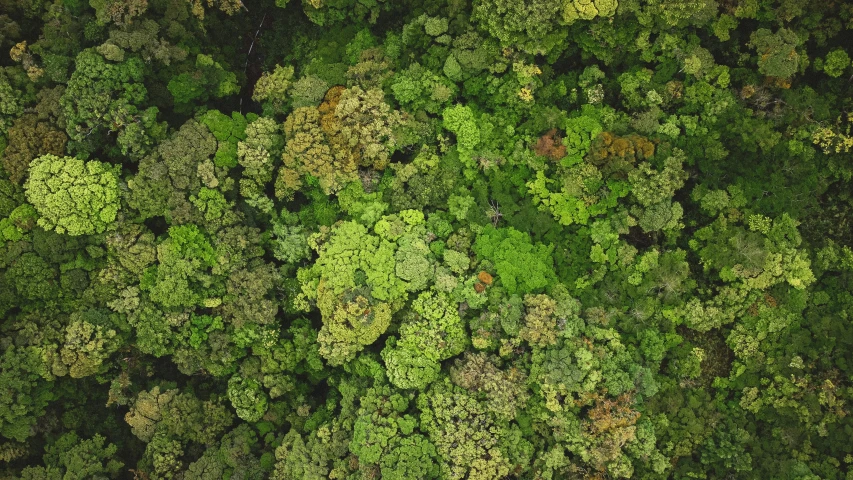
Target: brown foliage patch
x=550, y=145
x=607, y=415
x=614, y=154
x=328, y=121
x=30, y=138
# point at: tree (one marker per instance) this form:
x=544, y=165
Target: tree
x=592, y=367
x=230, y=7
x=540, y=320
x=73, y=196
x=20, y=221
x=409, y=457
x=257, y=154
x=32, y=277
x=417, y=88
x=654, y=190
x=504, y=392
x=209, y=79
x=73, y=457
x=361, y=279
x=176, y=415
x=30, y=138
x=169, y=175
x=249, y=295
x=364, y=126
x=777, y=52
x=147, y=38
x=10, y=104
x=351, y=128
x=236, y=453
x=310, y=457
x=372, y=70
x=272, y=89
x=27, y=392
x=191, y=419
x=88, y=343
x=353, y=316
x=182, y=272
x=248, y=399
x=533, y=26
x=748, y=261
x=121, y=12
x=290, y=244
x=521, y=265
x=308, y=152
x=433, y=333
x=575, y=10
x=459, y=119
x=104, y=97
x=835, y=63
x=466, y=437
x=681, y=12
x=308, y=91
x=380, y=422
x=147, y=412
x=340, y=11
x=163, y=456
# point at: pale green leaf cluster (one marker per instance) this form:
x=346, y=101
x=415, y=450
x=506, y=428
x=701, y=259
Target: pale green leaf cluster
x=73, y=196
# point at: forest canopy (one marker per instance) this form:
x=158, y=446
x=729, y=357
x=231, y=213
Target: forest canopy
x=445, y=239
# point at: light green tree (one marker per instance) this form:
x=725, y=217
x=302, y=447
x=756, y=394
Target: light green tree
x=72, y=196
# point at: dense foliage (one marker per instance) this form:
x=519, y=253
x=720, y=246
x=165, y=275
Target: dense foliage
x=485, y=239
